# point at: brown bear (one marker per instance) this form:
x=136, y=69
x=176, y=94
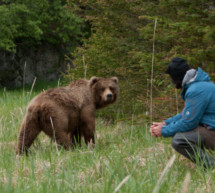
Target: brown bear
x=67, y=113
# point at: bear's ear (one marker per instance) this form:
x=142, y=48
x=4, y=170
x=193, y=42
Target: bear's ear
x=115, y=79
x=93, y=80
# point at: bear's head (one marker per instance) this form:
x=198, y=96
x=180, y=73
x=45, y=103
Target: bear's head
x=105, y=90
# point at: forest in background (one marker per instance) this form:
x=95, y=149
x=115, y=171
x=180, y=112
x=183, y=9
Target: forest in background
x=121, y=44
x=115, y=38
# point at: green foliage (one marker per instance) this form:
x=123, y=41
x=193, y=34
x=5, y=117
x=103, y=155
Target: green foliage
x=27, y=23
x=122, y=38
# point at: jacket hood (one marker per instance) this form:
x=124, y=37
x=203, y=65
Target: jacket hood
x=193, y=76
x=189, y=77
x=202, y=76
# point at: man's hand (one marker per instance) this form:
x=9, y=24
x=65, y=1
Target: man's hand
x=155, y=128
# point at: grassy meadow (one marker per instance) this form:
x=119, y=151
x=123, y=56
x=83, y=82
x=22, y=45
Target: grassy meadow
x=125, y=159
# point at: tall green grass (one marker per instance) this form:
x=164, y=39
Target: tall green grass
x=125, y=159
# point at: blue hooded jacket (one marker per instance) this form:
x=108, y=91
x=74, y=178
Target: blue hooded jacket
x=199, y=96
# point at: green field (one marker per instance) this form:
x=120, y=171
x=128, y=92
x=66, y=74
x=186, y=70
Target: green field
x=125, y=159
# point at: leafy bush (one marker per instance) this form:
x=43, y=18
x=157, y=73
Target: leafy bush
x=26, y=23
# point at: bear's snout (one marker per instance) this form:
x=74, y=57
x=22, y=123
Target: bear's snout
x=109, y=97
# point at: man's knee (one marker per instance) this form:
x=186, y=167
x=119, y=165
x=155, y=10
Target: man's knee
x=177, y=140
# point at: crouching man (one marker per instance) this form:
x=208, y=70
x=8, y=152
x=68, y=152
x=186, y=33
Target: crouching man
x=193, y=129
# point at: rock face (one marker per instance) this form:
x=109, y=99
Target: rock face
x=44, y=62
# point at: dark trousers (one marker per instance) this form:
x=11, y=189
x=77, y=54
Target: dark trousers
x=192, y=145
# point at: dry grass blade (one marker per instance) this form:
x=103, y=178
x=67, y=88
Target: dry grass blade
x=24, y=77
x=54, y=135
x=91, y=146
x=121, y=183
x=152, y=71
x=33, y=85
x=85, y=67
x=176, y=99
x=165, y=171
x=23, y=142
x=58, y=83
x=186, y=183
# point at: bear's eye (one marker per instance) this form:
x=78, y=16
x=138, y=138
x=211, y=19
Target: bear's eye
x=102, y=89
x=111, y=88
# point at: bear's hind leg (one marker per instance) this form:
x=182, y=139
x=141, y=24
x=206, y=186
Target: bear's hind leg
x=63, y=139
x=56, y=127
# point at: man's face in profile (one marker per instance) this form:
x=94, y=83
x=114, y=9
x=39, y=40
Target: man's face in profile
x=177, y=83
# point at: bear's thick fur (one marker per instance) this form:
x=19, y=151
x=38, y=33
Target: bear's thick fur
x=67, y=113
